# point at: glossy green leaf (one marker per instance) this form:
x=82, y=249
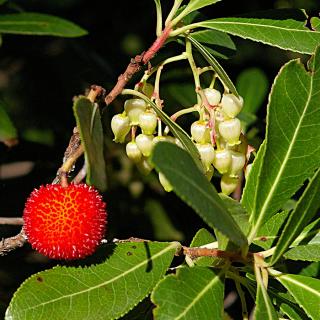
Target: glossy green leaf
x=104, y=291
x=264, y=309
x=270, y=230
x=249, y=194
x=190, y=184
x=7, y=128
x=39, y=24
x=309, y=235
x=217, y=43
x=305, y=290
x=192, y=6
x=306, y=208
x=289, y=311
x=176, y=130
x=292, y=141
x=193, y=293
x=91, y=132
x=215, y=65
x=309, y=252
x=252, y=85
x=287, y=31
x=238, y=213
x=203, y=237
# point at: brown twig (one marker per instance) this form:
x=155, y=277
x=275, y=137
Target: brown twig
x=12, y=243
x=216, y=253
x=11, y=221
x=136, y=63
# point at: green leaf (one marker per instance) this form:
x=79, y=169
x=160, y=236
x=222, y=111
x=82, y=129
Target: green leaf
x=305, y=290
x=264, y=309
x=306, y=208
x=190, y=184
x=289, y=32
x=201, y=238
x=309, y=235
x=39, y=24
x=249, y=192
x=7, y=129
x=292, y=141
x=186, y=295
x=252, y=85
x=176, y=130
x=291, y=312
x=309, y=252
x=238, y=213
x=217, y=43
x=311, y=270
x=269, y=231
x=198, y=4
x=104, y=291
x=90, y=127
x=193, y=5
x=215, y=65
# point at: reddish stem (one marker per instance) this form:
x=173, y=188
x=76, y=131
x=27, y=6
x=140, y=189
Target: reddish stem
x=135, y=65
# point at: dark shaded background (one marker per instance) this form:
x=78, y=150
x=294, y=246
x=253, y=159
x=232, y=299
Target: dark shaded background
x=39, y=77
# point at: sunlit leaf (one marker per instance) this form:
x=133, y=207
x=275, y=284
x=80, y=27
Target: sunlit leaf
x=305, y=290
x=306, y=208
x=104, y=291
x=186, y=295
x=287, y=30
x=290, y=154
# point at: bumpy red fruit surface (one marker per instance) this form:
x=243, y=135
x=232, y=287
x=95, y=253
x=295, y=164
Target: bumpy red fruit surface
x=65, y=222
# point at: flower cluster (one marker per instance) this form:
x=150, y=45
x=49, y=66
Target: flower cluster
x=137, y=115
x=217, y=136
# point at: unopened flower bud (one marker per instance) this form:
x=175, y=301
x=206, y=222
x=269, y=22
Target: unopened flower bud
x=148, y=122
x=228, y=184
x=213, y=96
x=209, y=173
x=133, y=108
x=144, y=166
x=222, y=161
x=200, y=132
x=207, y=153
x=165, y=183
x=145, y=144
x=133, y=152
x=230, y=131
x=237, y=163
x=231, y=105
x=163, y=139
x=120, y=126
